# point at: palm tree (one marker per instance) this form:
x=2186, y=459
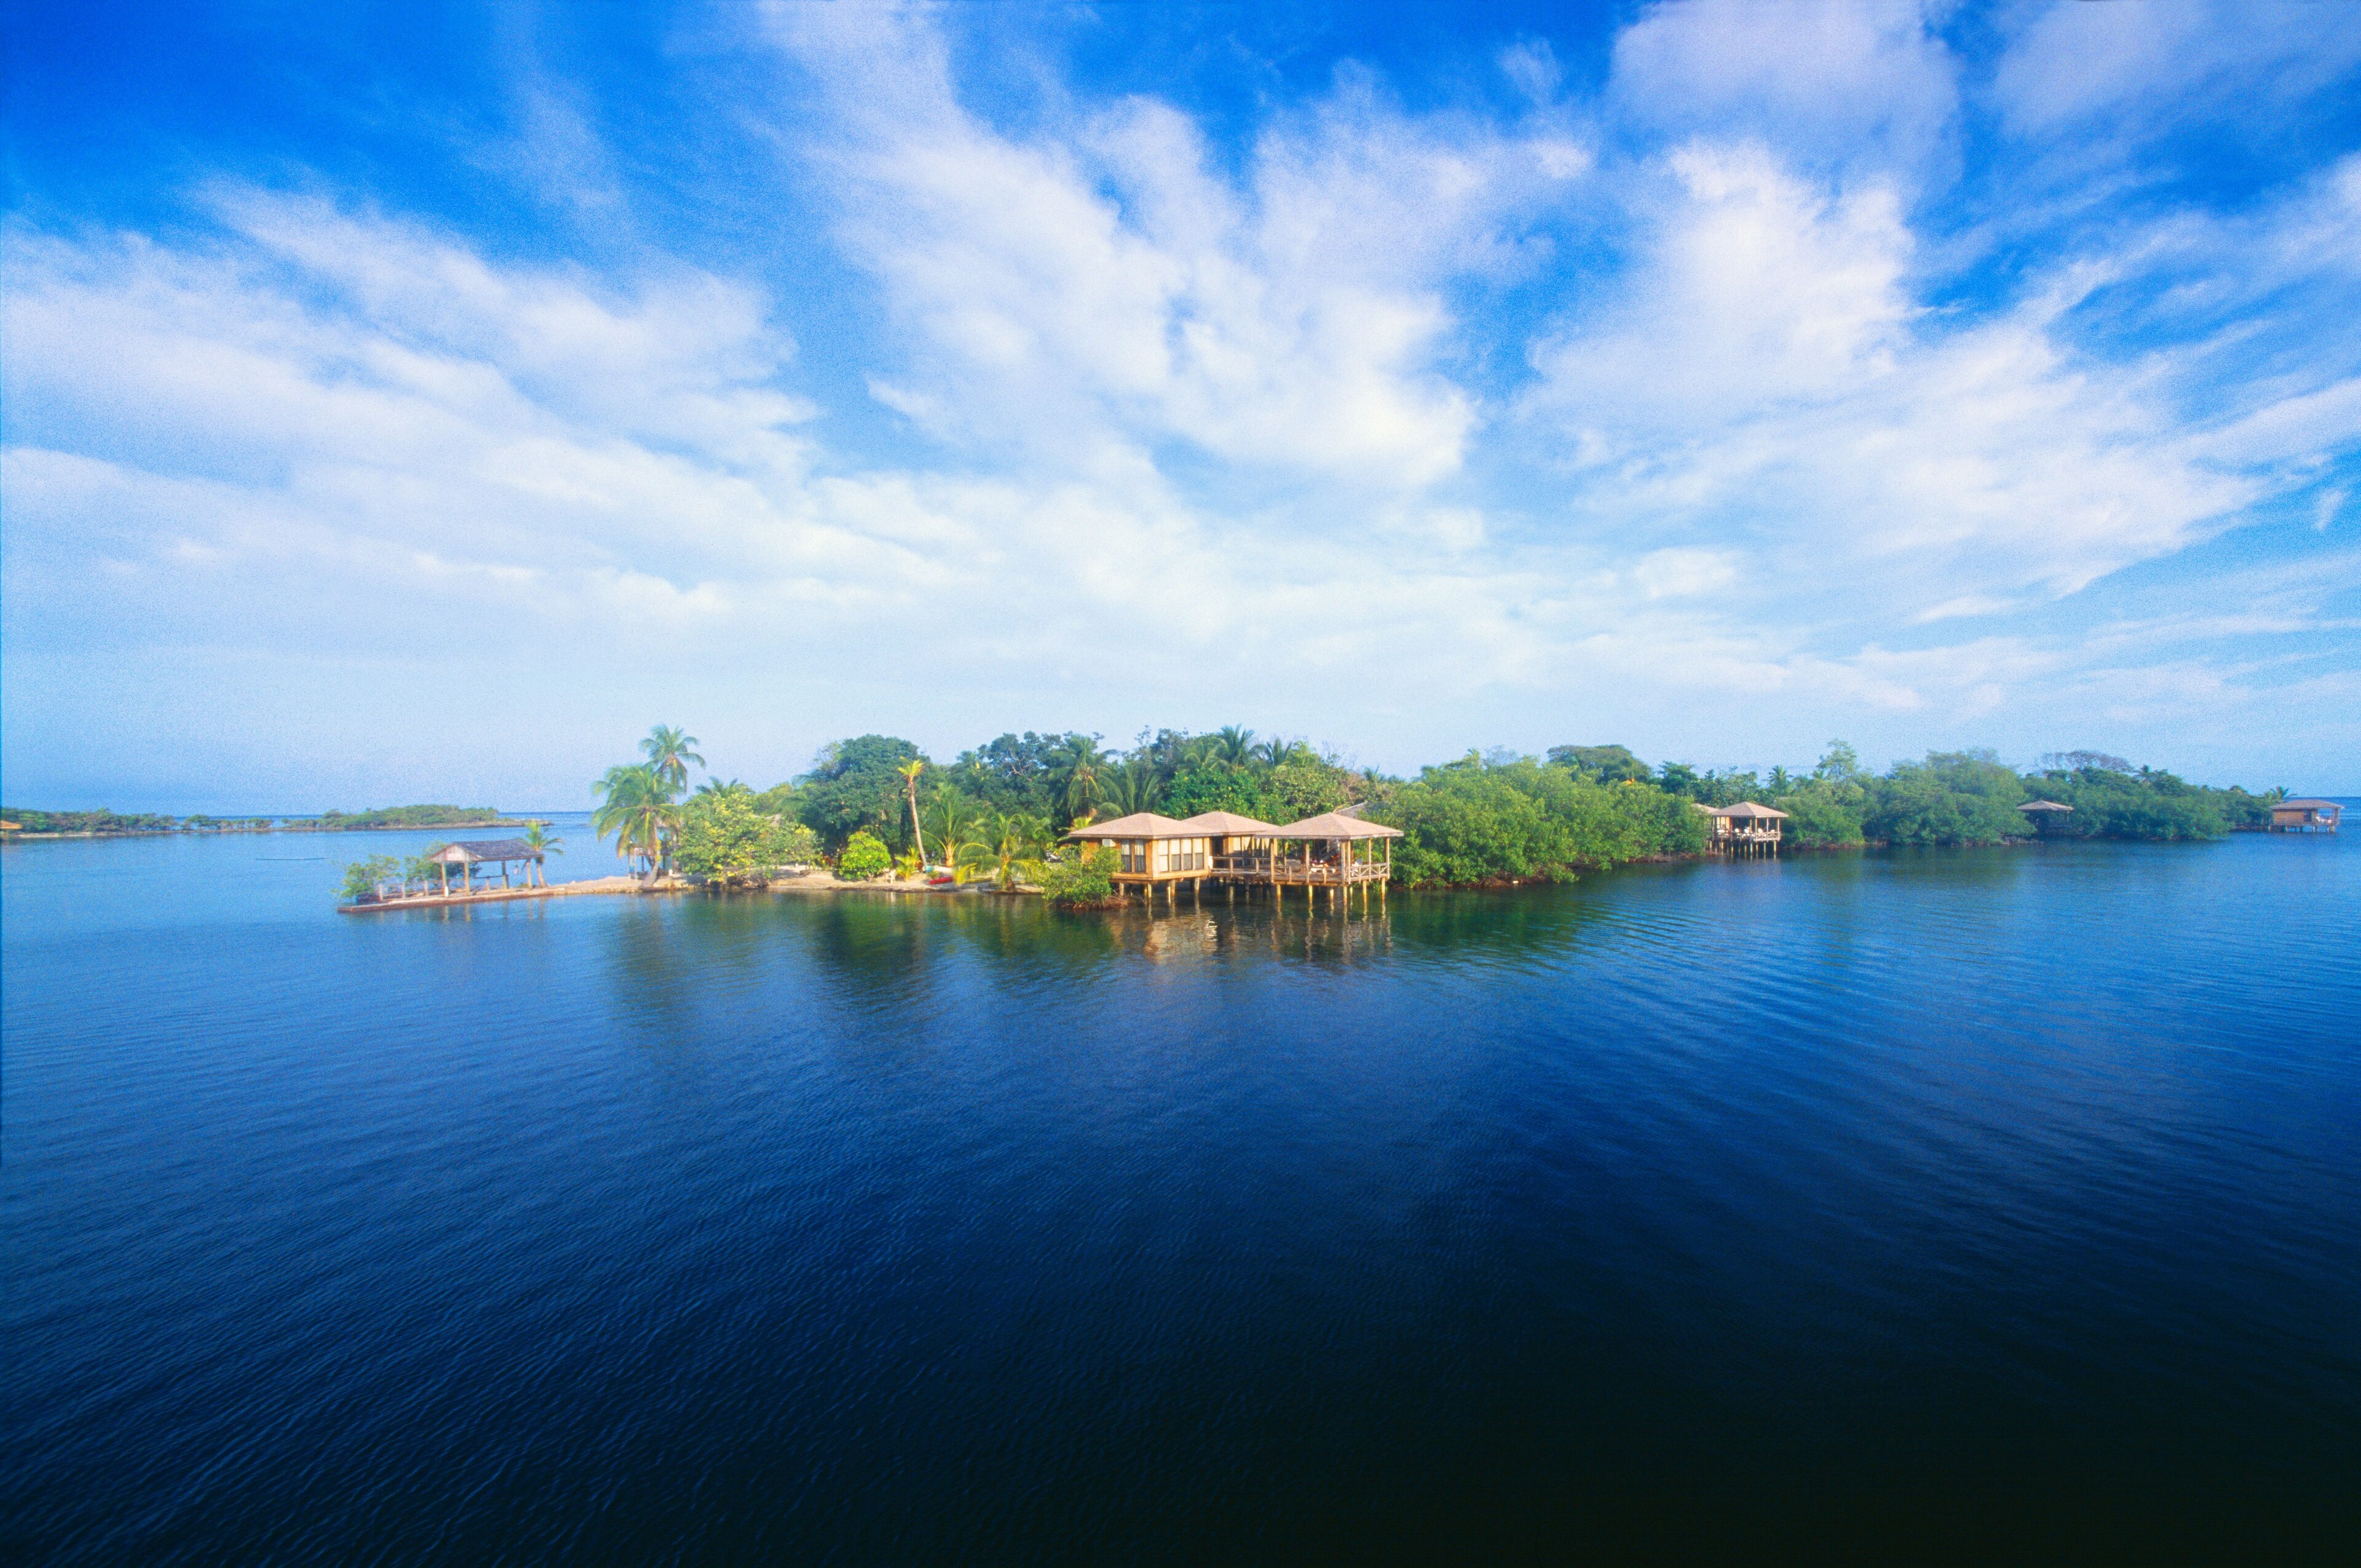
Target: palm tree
x=667, y=750
x=715, y=787
x=1276, y=752
x=636, y=807
x=1232, y=743
x=911, y=771
x=1082, y=768
x=538, y=835
x=1015, y=842
x=1780, y=783
x=1131, y=787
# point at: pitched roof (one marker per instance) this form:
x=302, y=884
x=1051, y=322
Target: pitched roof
x=1138, y=825
x=486, y=850
x=1746, y=809
x=2308, y=805
x=2043, y=806
x=1228, y=825
x=1334, y=825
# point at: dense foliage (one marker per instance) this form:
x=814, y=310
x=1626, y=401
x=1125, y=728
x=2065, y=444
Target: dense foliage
x=1514, y=818
x=409, y=816
x=1081, y=879
x=101, y=821
x=725, y=836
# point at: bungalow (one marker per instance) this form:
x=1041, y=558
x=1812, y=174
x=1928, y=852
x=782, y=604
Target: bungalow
x=2306, y=817
x=1743, y=829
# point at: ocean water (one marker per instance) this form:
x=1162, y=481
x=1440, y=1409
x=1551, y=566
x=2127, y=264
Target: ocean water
x=1916, y=1204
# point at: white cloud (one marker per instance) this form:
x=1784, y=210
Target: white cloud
x=1110, y=285
x=1767, y=373
x=2169, y=60
x=1836, y=82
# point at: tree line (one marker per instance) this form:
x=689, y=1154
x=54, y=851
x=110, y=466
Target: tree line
x=872, y=803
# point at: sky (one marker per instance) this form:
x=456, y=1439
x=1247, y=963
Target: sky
x=417, y=402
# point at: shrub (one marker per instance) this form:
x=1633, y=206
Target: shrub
x=863, y=858
x=1082, y=881
x=361, y=877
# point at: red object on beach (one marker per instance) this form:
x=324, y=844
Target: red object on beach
x=940, y=881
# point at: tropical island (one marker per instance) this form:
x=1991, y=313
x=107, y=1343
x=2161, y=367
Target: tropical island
x=875, y=806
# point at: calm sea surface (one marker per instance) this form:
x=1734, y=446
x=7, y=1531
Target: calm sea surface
x=1918, y=1202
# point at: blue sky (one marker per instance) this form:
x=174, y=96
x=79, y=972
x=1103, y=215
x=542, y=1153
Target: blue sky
x=416, y=402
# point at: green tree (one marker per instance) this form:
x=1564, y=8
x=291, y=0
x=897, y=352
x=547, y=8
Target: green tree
x=1608, y=764
x=911, y=771
x=855, y=786
x=635, y=806
x=667, y=750
x=864, y=857
x=1081, y=768
x=1953, y=797
x=361, y=877
x=1012, y=844
x=538, y=835
x=724, y=838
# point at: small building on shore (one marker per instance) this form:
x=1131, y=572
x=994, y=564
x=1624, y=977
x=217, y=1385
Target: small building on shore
x=1747, y=828
x=469, y=854
x=2306, y=817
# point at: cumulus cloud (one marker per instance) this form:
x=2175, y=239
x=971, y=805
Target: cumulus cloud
x=1672, y=399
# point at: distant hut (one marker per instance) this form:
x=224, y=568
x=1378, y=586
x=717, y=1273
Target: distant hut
x=2306, y=817
x=2042, y=815
x=469, y=855
x=1744, y=829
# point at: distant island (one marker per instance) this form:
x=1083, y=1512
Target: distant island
x=102, y=824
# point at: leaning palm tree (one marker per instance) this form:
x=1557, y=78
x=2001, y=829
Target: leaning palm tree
x=537, y=836
x=667, y=752
x=636, y=807
x=911, y=771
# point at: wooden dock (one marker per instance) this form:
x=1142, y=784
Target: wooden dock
x=610, y=884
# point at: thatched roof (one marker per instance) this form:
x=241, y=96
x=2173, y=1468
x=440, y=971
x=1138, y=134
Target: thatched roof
x=1747, y=808
x=484, y=850
x=2043, y=806
x=1138, y=825
x=1335, y=825
x=1229, y=825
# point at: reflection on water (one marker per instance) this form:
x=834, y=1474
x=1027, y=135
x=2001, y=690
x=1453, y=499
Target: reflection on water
x=1825, y=1194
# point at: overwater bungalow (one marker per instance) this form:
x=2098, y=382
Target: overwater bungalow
x=1152, y=850
x=2306, y=817
x=472, y=853
x=1331, y=850
x=1744, y=829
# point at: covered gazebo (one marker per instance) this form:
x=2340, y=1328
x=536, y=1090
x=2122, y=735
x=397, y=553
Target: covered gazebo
x=1336, y=852
x=2043, y=815
x=469, y=854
